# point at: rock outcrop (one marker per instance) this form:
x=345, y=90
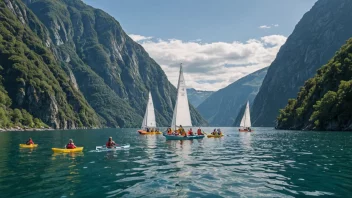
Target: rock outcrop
x=315, y=39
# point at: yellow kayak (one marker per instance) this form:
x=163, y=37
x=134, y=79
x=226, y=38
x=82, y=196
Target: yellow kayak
x=215, y=136
x=142, y=132
x=61, y=150
x=28, y=146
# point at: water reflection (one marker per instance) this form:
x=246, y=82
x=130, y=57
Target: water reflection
x=246, y=140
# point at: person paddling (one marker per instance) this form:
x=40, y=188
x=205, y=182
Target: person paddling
x=30, y=141
x=70, y=145
x=190, y=132
x=110, y=143
x=199, y=132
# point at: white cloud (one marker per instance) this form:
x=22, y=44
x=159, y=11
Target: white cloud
x=265, y=27
x=268, y=26
x=211, y=66
x=137, y=38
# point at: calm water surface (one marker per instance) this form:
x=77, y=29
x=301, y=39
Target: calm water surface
x=265, y=163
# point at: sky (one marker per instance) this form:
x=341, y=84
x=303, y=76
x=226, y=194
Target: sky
x=218, y=41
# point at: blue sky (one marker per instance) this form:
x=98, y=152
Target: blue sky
x=196, y=26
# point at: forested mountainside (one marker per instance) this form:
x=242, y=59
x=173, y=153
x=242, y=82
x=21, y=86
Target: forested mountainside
x=222, y=107
x=32, y=80
x=315, y=39
x=83, y=70
x=325, y=101
x=196, y=97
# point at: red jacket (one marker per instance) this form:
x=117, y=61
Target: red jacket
x=110, y=144
x=70, y=146
x=29, y=142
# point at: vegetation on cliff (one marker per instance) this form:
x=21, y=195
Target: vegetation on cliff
x=319, y=34
x=32, y=77
x=325, y=101
x=72, y=66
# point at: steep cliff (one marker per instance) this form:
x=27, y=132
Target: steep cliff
x=196, y=97
x=31, y=77
x=315, y=39
x=325, y=101
x=222, y=107
x=112, y=71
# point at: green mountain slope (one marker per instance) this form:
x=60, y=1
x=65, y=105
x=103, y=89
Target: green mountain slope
x=325, y=101
x=31, y=76
x=196, y=97
x=222, y=107
x=315, y=39
x=113, y=73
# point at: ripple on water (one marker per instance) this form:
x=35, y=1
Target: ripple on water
x=265, y=163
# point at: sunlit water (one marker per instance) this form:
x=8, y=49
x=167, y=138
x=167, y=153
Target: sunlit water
x=265, y=163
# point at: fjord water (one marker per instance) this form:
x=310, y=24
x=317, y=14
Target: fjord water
x=265, y=163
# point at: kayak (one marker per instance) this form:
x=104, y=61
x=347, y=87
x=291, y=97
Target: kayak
x=180, y=137
x=28, y=146
x=61, y=150
x=143, y=132
x=215, y=136
x=104, y=148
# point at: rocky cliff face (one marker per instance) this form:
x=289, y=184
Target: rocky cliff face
x=196, y=97
x=316, y=38
x=222, y=107
x=101, y=66
x=325, y=101
x=32, y=78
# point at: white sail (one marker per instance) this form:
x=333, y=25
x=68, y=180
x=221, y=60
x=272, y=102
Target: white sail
x=246, y=119
x=149, y=116
x=181, y=114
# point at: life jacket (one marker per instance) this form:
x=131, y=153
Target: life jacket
x=110, y=144
x=29, y=142
x=70, y=146
x=199, y=132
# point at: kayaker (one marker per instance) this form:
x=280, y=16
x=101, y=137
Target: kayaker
x=214, y=132
x=70, y=144
x=110, y=143
x=199, y=132
x=190, y=132
x=219, y=132
x=169, y=132
x=30, y=141
x=147, y=129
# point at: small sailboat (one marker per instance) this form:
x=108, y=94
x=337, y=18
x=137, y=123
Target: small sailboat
x=245, y=125
x=181, y=115
x=149, y=123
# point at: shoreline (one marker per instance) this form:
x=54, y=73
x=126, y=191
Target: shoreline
x=24, y=129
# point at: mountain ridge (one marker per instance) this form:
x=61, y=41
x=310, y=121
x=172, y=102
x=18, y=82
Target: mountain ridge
x=315, y=39
x=222, y=107
x=105, y=69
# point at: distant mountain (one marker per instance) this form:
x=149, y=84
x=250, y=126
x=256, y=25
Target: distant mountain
x=196, y=97
x=238, y=119
x=71, y=66
x=222, y=107
x=316, y=38
x=325, y=101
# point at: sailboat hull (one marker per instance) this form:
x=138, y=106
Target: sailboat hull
x=245, y=130
x=143, y=132
x=180, y=137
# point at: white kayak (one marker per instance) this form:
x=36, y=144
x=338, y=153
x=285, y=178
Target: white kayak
x=104, y=148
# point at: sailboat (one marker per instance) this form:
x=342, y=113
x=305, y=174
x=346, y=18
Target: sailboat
x=245, y=125
x=181, y=115
x=149, y=123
